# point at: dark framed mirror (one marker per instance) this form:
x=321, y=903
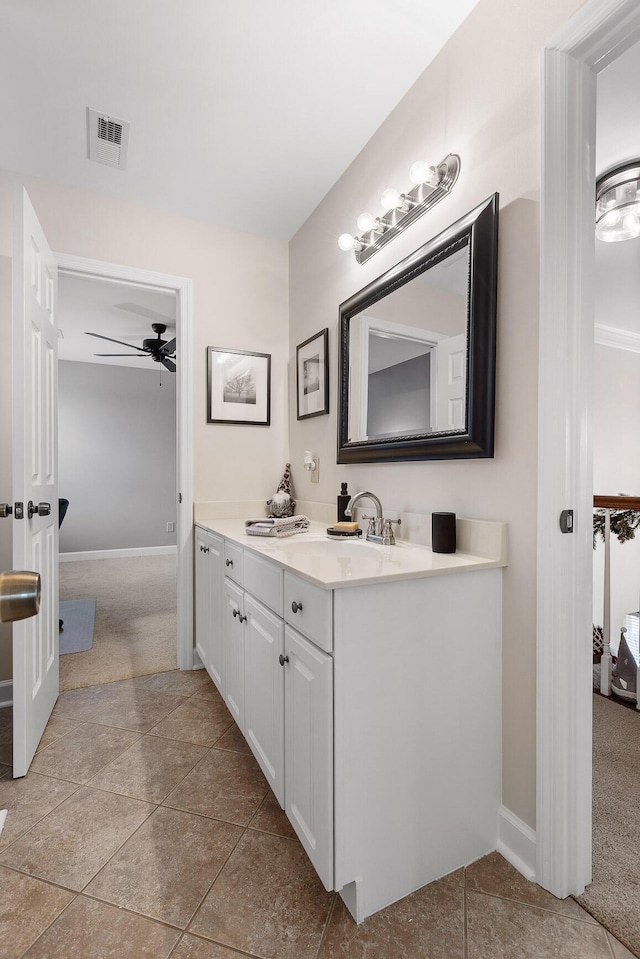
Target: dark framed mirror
x=418, y=351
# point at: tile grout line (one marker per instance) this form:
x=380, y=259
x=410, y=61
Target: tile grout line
x=41, y=934
x=3, y=849
x=327, y=922
x=80, y=723
x=529, y=905
x=215, y=879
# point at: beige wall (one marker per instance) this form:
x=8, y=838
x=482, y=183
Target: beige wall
x=480, y=99
x=240, y=288
x=240, y=300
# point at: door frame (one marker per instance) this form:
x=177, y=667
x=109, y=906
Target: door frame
x=182, y=287
x=593, y=38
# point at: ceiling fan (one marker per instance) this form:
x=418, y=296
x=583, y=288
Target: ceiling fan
x=158, y=349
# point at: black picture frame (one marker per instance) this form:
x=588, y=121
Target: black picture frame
x=312, y=376
x=479, y=230
x=238, y=387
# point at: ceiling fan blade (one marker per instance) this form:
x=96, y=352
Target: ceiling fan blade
x=119, y=342
x=168, y=364
x=169, y=347
x=132, y=356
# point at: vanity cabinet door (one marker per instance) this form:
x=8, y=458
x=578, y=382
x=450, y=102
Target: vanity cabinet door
x=309, y=749
x=233, y=641
x=208, y=603
x=264, y=691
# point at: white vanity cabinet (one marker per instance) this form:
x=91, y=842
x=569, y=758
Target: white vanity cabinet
x=309, y=749
x=373, y=709
x=208, y=614
x=280, y=691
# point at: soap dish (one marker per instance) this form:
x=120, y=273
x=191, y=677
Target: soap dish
x=344, y=533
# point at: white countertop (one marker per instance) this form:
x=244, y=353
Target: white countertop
x=336, y=563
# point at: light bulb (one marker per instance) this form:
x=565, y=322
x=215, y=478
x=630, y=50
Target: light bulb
x=630, y=222
x=346, y=242
x=390, y=199
x=420, y=172
x=611, y=219
x=366, y=222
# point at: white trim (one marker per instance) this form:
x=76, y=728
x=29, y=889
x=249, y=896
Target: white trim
x=184, y=418
x=6, y=693
x=517, y=843
x=599, y=32
x=118, y=553
x=617, y=338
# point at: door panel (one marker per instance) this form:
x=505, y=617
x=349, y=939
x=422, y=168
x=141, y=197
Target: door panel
x=309, y=750
x=264, y=692
x=233, y=638
x=35, y=539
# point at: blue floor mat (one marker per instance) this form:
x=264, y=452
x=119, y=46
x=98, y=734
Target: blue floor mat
x=78, y=616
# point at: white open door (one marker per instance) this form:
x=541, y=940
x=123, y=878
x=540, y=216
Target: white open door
x=449, y=357
x=35, y=482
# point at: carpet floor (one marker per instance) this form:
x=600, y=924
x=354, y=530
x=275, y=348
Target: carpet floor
x=135, y=623
x=612, y=898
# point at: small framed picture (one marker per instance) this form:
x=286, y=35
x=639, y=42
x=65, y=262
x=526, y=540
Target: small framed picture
x=239, y=387
x=312, y=375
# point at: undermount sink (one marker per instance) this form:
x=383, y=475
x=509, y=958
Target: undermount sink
x=344, y=548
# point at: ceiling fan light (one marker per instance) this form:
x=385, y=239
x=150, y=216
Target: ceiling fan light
x=617, y=203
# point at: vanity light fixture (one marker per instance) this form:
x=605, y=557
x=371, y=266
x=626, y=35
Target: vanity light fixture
x=431, y=184
x=618, y=203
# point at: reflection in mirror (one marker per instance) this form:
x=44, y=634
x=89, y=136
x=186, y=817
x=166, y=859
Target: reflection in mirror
x=408, y=354
x=418, y=348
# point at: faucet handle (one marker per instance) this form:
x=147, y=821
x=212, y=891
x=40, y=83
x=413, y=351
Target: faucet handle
x=388, y=539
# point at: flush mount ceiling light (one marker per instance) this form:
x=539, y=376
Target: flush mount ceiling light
x=618, y=203
x=432, y=184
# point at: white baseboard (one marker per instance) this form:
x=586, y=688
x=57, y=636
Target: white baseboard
x=6, y=692
x=119, y=553
x=517, y=843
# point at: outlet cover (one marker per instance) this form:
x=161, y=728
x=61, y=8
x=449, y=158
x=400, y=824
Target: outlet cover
x=171, y=527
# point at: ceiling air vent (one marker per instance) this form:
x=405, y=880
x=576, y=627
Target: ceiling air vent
x=108, y=139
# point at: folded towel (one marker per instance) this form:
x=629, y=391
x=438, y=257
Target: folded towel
x=277, y=526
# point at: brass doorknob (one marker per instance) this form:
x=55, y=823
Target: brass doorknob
x=20, y=592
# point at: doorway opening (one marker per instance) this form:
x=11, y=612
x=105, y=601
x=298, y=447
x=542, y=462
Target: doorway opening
x=117, y=480
x=600, y=33
x=130, y=547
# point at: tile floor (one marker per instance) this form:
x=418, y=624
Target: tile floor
x=145, y=830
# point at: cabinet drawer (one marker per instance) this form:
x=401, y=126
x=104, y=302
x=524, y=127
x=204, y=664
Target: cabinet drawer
x=310, y=609
x=263, y=580
x=233, y=562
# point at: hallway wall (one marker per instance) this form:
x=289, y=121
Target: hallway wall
x=116, y=456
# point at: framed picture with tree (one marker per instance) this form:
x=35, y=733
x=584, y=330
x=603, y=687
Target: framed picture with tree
x=238, y=387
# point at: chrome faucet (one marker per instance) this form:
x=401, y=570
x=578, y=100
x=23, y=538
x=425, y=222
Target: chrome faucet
x=380, y=531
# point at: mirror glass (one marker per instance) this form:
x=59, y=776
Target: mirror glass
x=417, y=351
x=408, y=355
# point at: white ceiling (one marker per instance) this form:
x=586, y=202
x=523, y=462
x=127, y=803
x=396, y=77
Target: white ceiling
x=617, y=286
x=96, y=306
x=242, y=112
